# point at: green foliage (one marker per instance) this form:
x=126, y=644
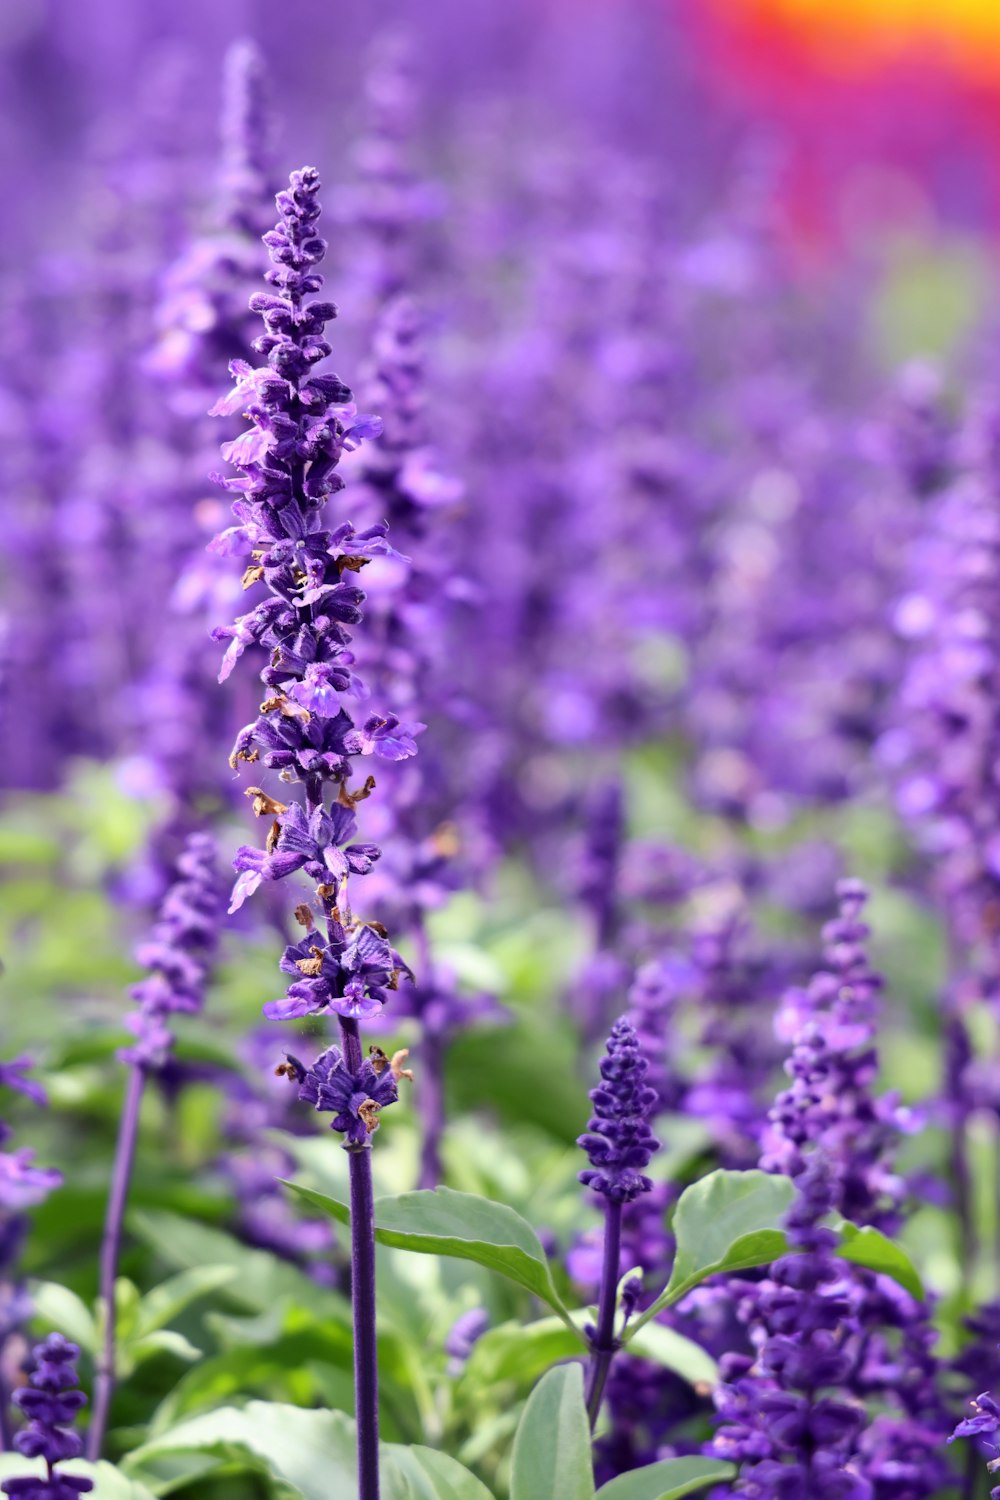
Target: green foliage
x=311, y=1453
x=726, y=1222
x=442, y=1222
x=667, y=1480
x=552, y=1445
x=872, y=1249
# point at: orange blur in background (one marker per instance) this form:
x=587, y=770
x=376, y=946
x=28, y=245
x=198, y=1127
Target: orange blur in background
x=852, y=37
x=913, y=85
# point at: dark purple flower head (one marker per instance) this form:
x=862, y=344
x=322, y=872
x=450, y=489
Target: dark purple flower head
x=618, y=1139
x=355, y=1099
x=985, y=1419
x=50, y=1402
x=349, y=971
x=178, y=953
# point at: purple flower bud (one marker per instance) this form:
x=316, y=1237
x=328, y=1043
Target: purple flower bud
x=618, y=1139
x=50, y=1402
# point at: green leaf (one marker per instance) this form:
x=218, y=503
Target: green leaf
x=725, y=1222
x=667, y=1480
x=166, y=1301
x=430, y=1475
x=260, y=1278
x=876, y=1252
x=521, y=1352
x=160, y=1341
x=552, y=1442
x=439, y=1221
x=109, y=1483
x=665, y=1346
x=63, y=1309
x=311, y=1452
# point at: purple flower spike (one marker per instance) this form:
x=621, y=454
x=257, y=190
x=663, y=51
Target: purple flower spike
x=618, y=1140
x=619, y=1144
x=178, y=954
x=50, y=1402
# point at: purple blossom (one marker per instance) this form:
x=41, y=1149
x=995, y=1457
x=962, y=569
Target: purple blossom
x=178, y=954
x=350, y=973
x=833, y=1067
x=618, y=1140
x=354, y=1096
x=50, y=1402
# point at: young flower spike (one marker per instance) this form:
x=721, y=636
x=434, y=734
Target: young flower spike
x=618, y=1139
x=50, y=1402
x=619, y=1143
x=178, y=955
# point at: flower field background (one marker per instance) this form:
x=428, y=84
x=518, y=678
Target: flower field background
x=499, y=708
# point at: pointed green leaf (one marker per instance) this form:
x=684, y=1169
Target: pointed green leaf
x=311, y=1452
x=665, y=1346
x=667, y=1480
x=552, y=1443
x=874, y=1251
x=168, y=1300
x=440, y=1221
x=161, y=1341
x=64, y=1310
x=430, y=1475
x=727, y=1221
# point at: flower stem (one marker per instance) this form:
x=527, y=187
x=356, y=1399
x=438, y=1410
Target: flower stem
x=603, y=1346
x=5, y=1432
x=430, y=1093
x=104, y=1382
x=431, y=1101
x=363, y=1293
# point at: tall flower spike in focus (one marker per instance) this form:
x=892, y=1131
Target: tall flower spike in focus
x=619, y=1143
x=50, y=1402
x=301, y=423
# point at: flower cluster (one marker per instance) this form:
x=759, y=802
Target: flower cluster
x=354, y=1096
x=832, y=1022
x=50, y=1402
x=618, y=1139
x=302, y=422
x=785, y=1413
x=827, y=1338
x=177, y=953
x=984, y=1424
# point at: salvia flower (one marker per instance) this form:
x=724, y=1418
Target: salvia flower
x=984, y=1424
x=346, y=973
x=50, y=1402
x=833, y=1066
x=618, y=1139
x=178, y=954
x=355, y=1097
x=302, y=423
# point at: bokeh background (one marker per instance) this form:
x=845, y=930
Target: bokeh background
x=691, y=430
